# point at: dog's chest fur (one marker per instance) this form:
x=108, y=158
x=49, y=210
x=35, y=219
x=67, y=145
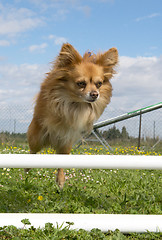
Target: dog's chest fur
x=68, y=122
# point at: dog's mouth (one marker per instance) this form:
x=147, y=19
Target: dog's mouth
x=90, y=100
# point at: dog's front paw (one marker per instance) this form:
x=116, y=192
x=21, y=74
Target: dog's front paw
x=60, y=179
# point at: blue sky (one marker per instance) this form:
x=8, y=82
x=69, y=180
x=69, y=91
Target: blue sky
x=32, y=31
x=134, y=27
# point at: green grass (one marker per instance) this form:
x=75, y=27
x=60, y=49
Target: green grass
x=85, y=191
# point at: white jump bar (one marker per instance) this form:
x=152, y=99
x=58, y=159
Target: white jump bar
x=80, y=161
x=125, y=223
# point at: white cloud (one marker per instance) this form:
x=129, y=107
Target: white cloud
x=85, y=9
x=20, y=83
x=2, y=58
x=57, y=40
x=14, y=21
x=153, y=15
x=138, y=82
x=153, y=48
x=63, y=7
x=21, y=74
x=4, y=43
x=40, y=47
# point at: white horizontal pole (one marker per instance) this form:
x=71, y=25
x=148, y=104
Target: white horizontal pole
x=125, y=223
x=80, y=161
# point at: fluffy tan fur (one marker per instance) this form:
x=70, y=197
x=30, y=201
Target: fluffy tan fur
x=73, y=96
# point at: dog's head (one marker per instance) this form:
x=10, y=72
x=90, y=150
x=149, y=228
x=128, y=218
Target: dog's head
x=85, y=78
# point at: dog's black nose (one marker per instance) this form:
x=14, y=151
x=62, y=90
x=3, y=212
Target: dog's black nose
x=94, y=95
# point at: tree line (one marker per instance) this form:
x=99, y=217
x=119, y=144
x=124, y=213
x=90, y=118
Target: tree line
x=114, y=133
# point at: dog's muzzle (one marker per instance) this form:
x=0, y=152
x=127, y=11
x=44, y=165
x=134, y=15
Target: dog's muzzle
x=92, y=96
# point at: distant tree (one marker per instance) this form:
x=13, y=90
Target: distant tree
x=124, y=133
x=112, y=133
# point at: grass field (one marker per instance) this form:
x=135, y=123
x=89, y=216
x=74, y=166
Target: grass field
x=85, y=191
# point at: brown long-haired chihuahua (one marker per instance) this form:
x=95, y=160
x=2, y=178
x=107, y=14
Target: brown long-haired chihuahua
x=73, y=96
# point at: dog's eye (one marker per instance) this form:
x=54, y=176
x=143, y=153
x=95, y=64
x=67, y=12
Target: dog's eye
x=99, y=84
x=81, y=84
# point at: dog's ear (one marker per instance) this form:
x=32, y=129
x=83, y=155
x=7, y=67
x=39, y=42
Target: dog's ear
x=68, y=56
x=108, y=59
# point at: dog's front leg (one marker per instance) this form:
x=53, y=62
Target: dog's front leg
x=60, y=179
